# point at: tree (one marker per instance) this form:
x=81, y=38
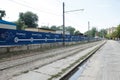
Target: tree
x=20, y=25
x=45, y=27
x=60, y=27
x=70, y=29
x=114, y=35
x=77, y=32
x=102, y=33
x=87, y=32
x=108, y=36
x=92, y=32
x=2, y=14
x=118, y=31
x=54, y=27
x=30, y=19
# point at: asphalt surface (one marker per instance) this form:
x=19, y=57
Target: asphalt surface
x=105, y=64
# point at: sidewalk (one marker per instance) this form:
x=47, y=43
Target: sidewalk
x=105, y=64
x=54, y=70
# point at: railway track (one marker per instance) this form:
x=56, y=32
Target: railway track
x=81, y=64
x=24, y=64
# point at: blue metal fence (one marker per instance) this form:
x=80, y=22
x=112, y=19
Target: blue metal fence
x=20, y=37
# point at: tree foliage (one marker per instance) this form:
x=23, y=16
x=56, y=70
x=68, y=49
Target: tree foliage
x=2, y=14
x=28, y=18
x=118, y=31
x=45, y=27
x=102, y=33
x=70, y=29
x=92, y=32
x=77, y=32
x=108, y=36
x=114, y=35
x=54, y=27
x=20, y=25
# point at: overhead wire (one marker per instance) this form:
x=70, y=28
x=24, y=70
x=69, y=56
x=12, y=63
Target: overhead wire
x=26, y=5
x=33, y=8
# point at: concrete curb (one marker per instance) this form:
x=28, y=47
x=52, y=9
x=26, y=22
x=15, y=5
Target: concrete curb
x=89, y=54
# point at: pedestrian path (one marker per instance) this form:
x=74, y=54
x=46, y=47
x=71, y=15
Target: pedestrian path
x=105, y=64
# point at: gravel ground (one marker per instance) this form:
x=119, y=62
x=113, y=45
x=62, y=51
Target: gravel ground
x=14, y=66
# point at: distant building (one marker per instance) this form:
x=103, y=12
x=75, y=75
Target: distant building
x=7, y=25
x=40, y=30
x=110, y=30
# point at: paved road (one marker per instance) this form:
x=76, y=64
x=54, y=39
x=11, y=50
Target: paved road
x=105, y=64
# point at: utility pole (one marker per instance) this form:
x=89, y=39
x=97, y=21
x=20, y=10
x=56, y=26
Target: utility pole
x=63, y=24
x=88, y=31
x=64, y=20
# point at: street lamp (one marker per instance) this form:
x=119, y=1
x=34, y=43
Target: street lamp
x=64, y=20
x=88, y=31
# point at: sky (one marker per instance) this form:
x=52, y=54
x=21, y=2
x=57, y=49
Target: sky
x=100, y=13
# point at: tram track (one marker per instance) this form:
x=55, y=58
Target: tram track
x=31, y=63
x=84, y=60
